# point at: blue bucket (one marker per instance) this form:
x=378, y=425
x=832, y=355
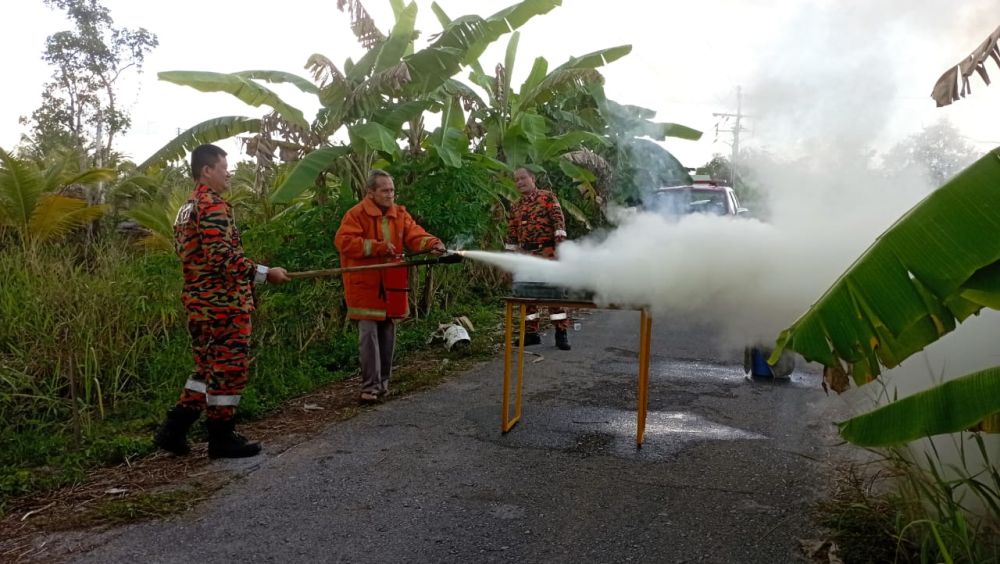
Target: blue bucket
x=759, y=368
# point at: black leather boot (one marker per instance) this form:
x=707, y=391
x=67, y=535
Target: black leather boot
x=562, y=340
x=529, y=339
x=225, y=442
x=172, y=434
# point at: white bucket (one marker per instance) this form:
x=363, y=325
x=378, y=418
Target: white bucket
x=455, y=336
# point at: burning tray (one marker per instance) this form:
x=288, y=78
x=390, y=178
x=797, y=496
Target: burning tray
x=543, y=291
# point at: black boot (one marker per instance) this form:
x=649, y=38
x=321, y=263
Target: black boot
x=225, y=442
x=529, y=339
x=172, y=434
x=562, y=340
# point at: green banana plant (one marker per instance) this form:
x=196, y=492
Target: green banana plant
x=32, y=203
x=372, y=98
x=932, y=269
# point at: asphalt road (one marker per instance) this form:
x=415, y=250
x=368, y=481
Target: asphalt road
x=728, y=473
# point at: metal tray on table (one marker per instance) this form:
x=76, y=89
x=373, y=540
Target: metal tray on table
x=543, y=291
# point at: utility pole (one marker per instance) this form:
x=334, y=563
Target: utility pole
x=737, y=128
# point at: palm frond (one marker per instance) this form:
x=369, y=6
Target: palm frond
x=157, y=217
x=55, y=216
x=90, y=176
x=20, y=187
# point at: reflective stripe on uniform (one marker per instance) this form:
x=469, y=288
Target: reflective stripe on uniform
x=196, y=386
x=557, y=316
x=386, y=231
x=368, y=312
x=368, y=247
x=223, y=400
x=531, y=316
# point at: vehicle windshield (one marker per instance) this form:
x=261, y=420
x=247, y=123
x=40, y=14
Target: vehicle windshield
x=689, y=200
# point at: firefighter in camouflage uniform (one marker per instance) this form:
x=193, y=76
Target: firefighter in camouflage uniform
x=536, y=225
x=218, y=297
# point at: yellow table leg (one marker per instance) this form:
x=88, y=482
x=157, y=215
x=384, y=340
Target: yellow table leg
x=645, y=329
x=506, y=421
x=508, y=335
x=520, y=366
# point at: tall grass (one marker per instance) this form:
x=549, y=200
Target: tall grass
x=929, y=507
x=75, y=330
x=951, y=503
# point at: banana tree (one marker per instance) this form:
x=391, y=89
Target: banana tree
x=936, y=266
x=372, y=99
x=561, y=116
x=32, y=200
x=946, y=88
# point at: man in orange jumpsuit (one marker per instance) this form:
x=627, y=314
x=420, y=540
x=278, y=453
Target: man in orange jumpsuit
x=536, y=225
x=377, y=231
x=218, y=297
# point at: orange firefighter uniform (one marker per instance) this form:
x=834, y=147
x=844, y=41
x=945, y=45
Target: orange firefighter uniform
x=378, y=298
x=363, y=238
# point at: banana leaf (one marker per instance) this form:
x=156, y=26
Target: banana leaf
x=450, y=141
x=931, y=269
x=373, y=136
x=554, y=146
x=927, y=413
x=575, y=71
x=400, y=39
x=207, y=131
x=473, y=34
x=937, y=265
x=306, y=172
x=279, y=77
x=246, y=90
x=576, y=212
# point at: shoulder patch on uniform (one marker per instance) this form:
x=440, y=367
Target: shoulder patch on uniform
x=184, y=214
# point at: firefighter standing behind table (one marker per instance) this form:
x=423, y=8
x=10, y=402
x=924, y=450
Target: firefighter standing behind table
x=218, y=297
x=377, y=231
x=536, y=226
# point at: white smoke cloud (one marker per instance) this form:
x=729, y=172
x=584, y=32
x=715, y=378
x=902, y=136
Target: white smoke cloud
x=826, y=95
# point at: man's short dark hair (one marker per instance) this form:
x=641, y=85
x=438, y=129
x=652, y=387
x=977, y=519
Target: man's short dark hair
x=373, y=177
x=204, y=155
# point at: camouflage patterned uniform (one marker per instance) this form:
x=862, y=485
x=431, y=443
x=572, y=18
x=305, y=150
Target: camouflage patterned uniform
x=218, y=297
x=535, y=225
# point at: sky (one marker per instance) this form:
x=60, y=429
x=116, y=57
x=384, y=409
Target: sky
x=803, y=66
